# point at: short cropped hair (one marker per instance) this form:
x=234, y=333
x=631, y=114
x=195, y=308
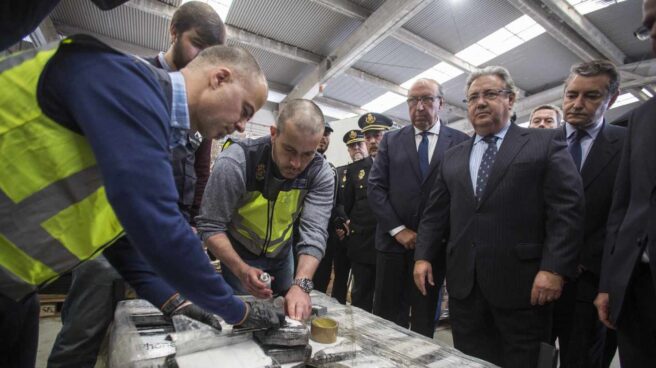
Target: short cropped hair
x=559, y=112
x=202, y=18
x=304, y=114
x=594, y=68
x=236, y=57
x=499, y=71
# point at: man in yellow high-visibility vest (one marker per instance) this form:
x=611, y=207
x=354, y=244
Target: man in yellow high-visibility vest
x=85, y=136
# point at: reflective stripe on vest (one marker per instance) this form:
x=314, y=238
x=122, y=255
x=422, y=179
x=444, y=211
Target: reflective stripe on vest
x=54, y=213
x=262, y=226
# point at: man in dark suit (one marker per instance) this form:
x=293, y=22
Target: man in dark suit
x=590, y=90
x=512, y=221
x=627, y=298
x=399, y=185
x=360, y=245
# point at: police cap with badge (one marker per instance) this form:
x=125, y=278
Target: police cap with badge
x=374, y=121
x=353, y=136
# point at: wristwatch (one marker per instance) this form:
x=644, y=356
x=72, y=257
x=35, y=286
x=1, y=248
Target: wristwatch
x=304, y=283
x=172, y=304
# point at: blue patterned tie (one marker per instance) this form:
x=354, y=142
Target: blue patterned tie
x=575, y=147
x=486, y=164
x=423, y=154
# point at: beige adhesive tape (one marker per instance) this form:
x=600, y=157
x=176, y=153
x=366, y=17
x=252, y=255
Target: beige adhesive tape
x=324, y=330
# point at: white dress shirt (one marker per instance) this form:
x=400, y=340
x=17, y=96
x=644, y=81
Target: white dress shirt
x=433, y=134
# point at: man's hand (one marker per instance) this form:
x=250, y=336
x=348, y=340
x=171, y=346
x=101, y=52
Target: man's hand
x=547, y=287
x=602, y=302
x=423, y=271
x=250, y=278
x=407, y=238
x=199, y=314
x=298, y=303
x=260, y=315
x=343, y=232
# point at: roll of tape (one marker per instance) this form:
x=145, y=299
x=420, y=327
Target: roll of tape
x=324, y=330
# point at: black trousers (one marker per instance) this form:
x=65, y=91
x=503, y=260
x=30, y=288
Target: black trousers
x=636, y=326
x=509, y=338
x=563, y=318
x=335, y=260
x=19, y=331
x=397, y=299
x=364, y=283
x=584, y=341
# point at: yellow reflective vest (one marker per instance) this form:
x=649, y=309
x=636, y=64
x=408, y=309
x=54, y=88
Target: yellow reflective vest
x=53, y=210
x=264, y=221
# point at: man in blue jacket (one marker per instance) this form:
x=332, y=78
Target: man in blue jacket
x=87, y=135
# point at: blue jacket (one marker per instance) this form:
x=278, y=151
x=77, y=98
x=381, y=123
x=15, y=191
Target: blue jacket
x=116, y=102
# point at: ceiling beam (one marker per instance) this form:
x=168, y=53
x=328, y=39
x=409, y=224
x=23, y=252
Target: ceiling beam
x=352, y=10
x=385, y=20
x=557, y=30
x=127, y=47
x=586, y=29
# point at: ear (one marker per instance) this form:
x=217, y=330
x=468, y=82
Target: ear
x=511, y=100
x=173, y=33
x=612, y=100
x=219, y=76
x=273, y=131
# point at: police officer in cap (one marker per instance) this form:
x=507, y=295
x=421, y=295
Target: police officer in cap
x=373, y=126
x=362, y=226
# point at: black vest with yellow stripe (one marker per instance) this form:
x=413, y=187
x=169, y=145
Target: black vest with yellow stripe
x=263, y=222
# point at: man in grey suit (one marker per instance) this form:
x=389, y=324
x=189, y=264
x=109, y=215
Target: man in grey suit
x=509, y=202
x=627, y=296
x=399, y=185
x=590, y=90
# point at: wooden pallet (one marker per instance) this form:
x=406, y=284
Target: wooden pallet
x=51, y=305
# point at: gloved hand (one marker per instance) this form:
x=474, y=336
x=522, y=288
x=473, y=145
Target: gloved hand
x=261, y=314
x=199, y=314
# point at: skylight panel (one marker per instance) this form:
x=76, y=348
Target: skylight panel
x=624, y=99
x=335, y=112
x=384, y=102
x=275, y=96
x=589, y=6
x=441, y=72
x=647, y=92
x=476, y=54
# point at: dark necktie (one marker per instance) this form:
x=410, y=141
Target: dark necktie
x=422, y=151
x=486, y=164
x=575, y=147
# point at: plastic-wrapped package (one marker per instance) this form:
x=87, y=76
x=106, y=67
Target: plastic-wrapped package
x=140, y=338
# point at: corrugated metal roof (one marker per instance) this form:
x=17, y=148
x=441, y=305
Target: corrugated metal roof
x=618, y=22
x=352, y=91
x=538, y=64
x=369, y=4
x=295, y=22
x=457, y=25
x=123, y=23
x=395, y=61
x=277, y=68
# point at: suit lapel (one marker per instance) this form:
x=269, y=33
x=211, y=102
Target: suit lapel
x=602, y=151
x=408, y=141
x=464, y=175
x=512, y=143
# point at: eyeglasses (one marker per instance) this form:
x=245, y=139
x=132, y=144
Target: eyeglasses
x=642, y=33
x=489, y=95
x=425, y=100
